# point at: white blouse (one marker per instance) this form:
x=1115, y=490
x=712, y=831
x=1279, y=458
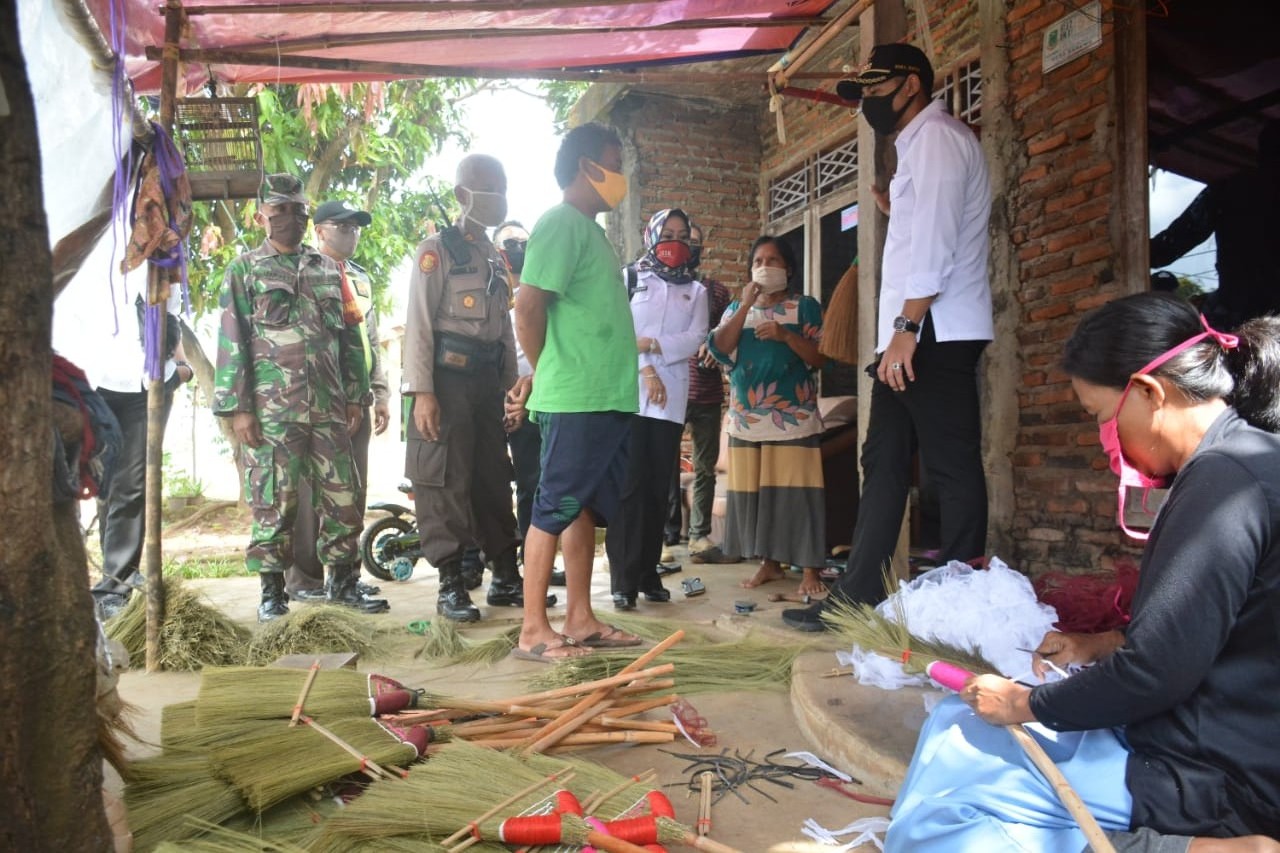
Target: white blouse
x=676, y=315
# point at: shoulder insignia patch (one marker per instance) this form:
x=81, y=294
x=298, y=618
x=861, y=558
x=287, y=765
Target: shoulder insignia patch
x=468, y=301
x=429, y=261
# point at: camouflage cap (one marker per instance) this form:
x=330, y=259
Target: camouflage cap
x=281, y=188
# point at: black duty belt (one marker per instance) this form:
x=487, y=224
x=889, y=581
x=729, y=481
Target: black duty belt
x=459, y=352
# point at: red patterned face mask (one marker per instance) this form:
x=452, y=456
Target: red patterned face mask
x=673, y=253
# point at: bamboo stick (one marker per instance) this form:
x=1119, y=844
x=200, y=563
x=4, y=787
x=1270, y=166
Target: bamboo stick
x=647, y=705
x=1093, y=833
x=564, y=725
x=704, y=802
x=623, y=676
x=592, y=803
x=302, y=696
x=584, y=739
x=373, y=6
x=785, y=68
x=365, y=761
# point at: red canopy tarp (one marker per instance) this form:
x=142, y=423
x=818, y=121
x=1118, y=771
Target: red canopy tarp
x=452, y=35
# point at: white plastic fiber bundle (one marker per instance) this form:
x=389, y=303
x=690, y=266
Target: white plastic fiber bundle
x=992, y=611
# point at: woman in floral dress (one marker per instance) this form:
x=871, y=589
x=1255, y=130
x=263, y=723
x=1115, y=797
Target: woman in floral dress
x=769, y=339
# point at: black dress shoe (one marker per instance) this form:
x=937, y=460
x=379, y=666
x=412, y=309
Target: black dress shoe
x=658, y=595
x=807, y=619
x=624, y=601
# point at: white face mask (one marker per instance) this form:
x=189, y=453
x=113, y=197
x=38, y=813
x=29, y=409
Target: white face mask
x=485, y=208
x=770, y=279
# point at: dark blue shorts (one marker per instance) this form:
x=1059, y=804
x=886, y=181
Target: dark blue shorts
x=584, y=466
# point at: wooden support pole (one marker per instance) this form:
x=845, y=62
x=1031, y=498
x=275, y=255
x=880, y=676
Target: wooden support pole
x=157, y=295
x=217, y=56
x=785, y=69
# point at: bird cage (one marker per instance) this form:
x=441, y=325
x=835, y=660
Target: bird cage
x=222, y=146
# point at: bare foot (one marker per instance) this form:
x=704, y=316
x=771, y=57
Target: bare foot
x=768, y=572
x=812, y=585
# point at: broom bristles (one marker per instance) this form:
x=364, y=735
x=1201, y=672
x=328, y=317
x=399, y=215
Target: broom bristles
x=861, y=625
x=269, y=693
x=274, y=765
x=840, y=321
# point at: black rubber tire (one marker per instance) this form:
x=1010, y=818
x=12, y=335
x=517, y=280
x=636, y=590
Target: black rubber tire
x=372, y=537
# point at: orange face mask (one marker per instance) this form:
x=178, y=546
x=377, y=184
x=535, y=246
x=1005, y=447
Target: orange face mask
x=612, y=189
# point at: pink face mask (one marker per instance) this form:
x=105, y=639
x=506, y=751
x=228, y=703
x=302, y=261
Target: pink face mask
x=1109, y=431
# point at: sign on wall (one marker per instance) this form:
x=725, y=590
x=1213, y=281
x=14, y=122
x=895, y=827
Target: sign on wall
x=1071, y=36
x=849, y=218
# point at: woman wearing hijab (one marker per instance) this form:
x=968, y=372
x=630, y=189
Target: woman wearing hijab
x=669, y=309
x=1168, y=733
x=769, y=338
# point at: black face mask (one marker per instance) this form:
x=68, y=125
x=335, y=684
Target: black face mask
x=286, y=229
x=695, y=256
x=514, y=250
x=879, y=112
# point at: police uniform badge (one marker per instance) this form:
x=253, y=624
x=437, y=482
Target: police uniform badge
x=468, y=301
x=429, y=261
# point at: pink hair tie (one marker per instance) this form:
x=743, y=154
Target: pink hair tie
x=1226, y=341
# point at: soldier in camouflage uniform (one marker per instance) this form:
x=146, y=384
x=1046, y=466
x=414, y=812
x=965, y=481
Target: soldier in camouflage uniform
x=459, y=361
x=291, y=375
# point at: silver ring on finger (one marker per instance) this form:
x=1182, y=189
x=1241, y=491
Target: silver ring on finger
x=896, y=365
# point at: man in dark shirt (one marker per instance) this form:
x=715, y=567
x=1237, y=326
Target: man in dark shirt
x=1242, y=213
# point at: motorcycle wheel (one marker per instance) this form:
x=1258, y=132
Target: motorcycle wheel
x=374, y=541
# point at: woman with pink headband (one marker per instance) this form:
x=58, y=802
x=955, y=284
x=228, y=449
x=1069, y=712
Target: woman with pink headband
x=1168, y=733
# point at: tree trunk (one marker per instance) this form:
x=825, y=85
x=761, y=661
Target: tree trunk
x=50, y=765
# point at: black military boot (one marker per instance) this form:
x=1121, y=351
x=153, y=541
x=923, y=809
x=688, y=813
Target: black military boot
x=453, y=601
x=274, y=601
x=341, y=585
x=507, y=588
x=472, y=568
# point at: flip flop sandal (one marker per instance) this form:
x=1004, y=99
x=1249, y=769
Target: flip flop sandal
x=610, y=640
x=538, y=653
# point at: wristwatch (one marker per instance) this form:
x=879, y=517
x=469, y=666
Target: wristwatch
x=905, y=324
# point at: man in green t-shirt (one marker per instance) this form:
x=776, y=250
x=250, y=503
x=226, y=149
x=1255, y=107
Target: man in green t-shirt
x=574, y=325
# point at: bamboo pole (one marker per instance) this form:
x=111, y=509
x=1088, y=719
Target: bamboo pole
x=409, y=6
x=470, y=34
x=216, y=56
x=302, y=695
x=704, y=802
x=583, y=739
x=784, y=70
x=1098, y=841
x=157, y=295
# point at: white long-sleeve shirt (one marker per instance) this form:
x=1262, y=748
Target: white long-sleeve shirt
x=937, y=243
x=676, y=315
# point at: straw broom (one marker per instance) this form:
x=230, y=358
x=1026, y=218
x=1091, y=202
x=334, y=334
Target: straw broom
x=219, y=839
x=840, y=321
x=876, y=633
x=159, y=808
x=194, y=634
x=269, y=693
x=275, y=765
x=445, y=795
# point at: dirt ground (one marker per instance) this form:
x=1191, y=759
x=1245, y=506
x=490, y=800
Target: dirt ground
x=751, y=724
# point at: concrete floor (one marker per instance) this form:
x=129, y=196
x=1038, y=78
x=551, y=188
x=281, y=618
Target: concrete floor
x=866, y=732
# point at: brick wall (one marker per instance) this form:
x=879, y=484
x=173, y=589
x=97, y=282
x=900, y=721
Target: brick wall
x=1063, y=230
x=700, y=157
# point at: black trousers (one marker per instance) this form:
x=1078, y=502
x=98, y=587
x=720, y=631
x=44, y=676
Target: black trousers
x=462, y=483
x=634, y=541
x=938, y=414
x=526, y=457
x=121, y=517
x=307, y=571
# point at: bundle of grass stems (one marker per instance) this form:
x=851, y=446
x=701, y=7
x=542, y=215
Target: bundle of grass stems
x=167, y=791
x=748, y=664
x=209, y=837
x=864, y=626
x=316, y=630
x=271, y=693
x=840, y=321
x=194, y=634
x=276, y=764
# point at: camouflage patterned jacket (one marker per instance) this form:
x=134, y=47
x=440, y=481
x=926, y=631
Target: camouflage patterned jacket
x=284, y=353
